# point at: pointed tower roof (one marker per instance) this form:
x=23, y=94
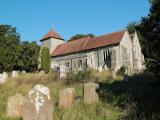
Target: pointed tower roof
x=52, y=34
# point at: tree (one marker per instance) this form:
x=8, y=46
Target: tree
x=150, y=30
x=132, y=27
x=78, y=36
x=9, y=47
x=28, y=57
x=45, y=59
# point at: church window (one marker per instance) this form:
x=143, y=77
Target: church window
x=79, y=63
x=67, y=64
x=106, y=55
x=86, y=63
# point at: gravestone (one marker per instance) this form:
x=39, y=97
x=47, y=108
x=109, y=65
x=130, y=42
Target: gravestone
x=14, y=105
x=14, y=73
x=90, y=94
x=2, y=80
x=42, y=72
x=62, y=72
x=38, y=105
x=23, y=71
x=66, y=98
x=3, y=77
x=40, y=88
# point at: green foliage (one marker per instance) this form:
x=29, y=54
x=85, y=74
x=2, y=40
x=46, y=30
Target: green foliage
x=28, y=56
x=45, y=59
x=81, y=76
x=122, y=70
x=16, y=55
x=133, y=96
x=78, y=36
x=132, y=27
x=9, y=47
x=150, y=30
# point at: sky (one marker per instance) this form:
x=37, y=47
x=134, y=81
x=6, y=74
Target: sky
x=34, y=18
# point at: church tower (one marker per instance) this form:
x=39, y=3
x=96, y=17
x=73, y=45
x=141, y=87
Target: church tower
x=51, y=40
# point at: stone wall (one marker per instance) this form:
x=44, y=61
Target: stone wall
x=93, y=58
x=126, y=47
x=52, y=43
x=121, y=55
x=138, y=58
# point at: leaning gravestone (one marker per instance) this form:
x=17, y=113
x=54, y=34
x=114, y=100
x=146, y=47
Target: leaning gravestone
x=38, y=105
x=90, y=94
x=14, y=105
x=66, y=98
x=14, y=73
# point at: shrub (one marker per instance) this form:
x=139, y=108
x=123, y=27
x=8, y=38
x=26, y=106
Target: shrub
x=122, y=70
x=71, y=77
x=45, y=59
x=79, y=76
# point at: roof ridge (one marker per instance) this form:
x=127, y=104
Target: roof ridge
x=110, y=33
x=78, y=39
x=99, y=36
x=52, y=34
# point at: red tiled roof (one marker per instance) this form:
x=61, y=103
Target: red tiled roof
x=88, y=43
x=51, y=34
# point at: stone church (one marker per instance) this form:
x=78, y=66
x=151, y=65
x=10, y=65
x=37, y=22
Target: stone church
x=110, y=51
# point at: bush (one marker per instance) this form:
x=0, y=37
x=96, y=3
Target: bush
x=122, y=70
x=79, y=76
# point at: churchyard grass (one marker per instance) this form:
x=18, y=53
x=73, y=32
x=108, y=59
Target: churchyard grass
x=80, y=111
x=135, y=99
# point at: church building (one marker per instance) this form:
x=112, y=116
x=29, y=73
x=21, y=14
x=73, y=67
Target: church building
x=110, y=51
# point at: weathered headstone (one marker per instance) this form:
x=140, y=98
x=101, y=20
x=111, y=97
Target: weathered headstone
x=42, y=72
x=3, y=77
x=38, y=105
x=62, y=72
x=14, y=105
x=66, y=98
x=90, y=94
x=40, y=88
x=23, y=72
x=14, y=73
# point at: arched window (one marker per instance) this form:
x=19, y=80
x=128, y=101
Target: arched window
x=79, y=63
x=106, y=55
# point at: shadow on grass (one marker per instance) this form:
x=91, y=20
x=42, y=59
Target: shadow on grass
x=142, y=90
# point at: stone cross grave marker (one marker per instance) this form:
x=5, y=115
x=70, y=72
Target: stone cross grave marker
x=38, y=105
